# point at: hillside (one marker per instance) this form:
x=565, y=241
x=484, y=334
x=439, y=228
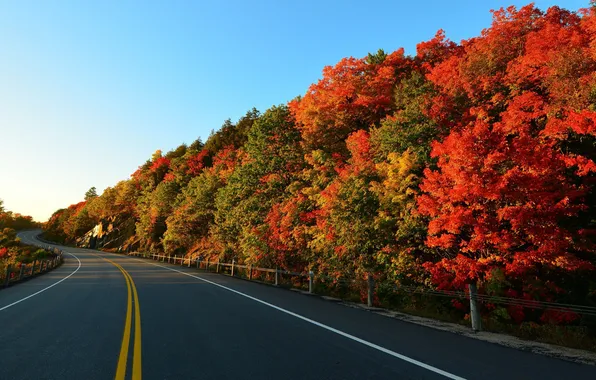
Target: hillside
x=470, y=162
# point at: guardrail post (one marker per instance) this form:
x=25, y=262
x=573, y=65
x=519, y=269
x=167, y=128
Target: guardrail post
x=189, y=262
x=217, y=267
x=21, y=271
x=233, y=262
x=169, y=258
x=40, y=266
x=33, y=268
x=311, y=280
x=207, y=265
x=7, y=278
x=371, y=290
x=474, y=312
x=197, y=260
x=276, y=276
x=250, y=272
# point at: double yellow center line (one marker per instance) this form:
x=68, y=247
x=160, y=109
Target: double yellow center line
x=136, y=359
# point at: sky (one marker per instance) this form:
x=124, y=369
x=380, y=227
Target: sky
x=90, y=89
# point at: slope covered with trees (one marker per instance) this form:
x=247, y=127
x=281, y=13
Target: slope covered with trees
x=469, y=162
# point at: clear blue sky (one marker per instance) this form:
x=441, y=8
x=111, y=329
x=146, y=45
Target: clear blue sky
x=90, y=89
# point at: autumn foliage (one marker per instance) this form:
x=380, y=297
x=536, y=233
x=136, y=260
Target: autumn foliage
x=12, y=251
x=467, y=162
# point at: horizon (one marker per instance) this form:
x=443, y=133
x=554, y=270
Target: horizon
x=92, y=90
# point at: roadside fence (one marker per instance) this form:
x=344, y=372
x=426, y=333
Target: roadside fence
x=24, y=270
x=367, y=288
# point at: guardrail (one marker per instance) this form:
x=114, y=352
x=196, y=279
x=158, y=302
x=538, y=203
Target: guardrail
x=21, y=271
x=308, y=281
x=250, y=272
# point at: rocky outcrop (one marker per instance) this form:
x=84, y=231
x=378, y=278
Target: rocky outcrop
x=114, y=233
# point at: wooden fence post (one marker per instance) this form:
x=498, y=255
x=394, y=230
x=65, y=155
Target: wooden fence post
x=7, y=278
x=474, y=312
x=371, y=290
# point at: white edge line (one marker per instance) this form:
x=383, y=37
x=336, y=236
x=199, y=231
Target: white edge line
x=329, y=328
x=44, y=289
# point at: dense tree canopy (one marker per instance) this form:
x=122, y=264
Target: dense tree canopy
x=469, y=162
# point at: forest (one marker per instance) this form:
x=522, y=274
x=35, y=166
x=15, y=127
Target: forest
x=470, y=162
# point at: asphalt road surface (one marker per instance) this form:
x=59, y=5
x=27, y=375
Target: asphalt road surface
x=105, y=316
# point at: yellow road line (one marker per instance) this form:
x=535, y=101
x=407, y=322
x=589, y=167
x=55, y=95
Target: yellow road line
x=121, y=369
x=136, y=361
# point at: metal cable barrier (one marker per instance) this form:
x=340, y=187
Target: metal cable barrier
x=510, y=301
x=368, y=285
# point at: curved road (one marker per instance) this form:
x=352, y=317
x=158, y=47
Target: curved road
x=113, y=316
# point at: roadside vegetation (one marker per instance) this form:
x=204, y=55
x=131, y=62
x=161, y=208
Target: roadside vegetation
x=470, y=162
x=12, y=251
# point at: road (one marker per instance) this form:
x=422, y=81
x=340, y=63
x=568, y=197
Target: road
x=185, y=324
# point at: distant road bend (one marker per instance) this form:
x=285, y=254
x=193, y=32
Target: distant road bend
x=105, y=316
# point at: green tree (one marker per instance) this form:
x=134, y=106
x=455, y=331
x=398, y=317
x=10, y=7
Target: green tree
x=192, y=217
x=273, y=157
x=91, y=193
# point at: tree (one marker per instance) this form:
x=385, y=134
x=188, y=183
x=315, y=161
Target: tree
x=90, y=194
x=230, y=134
x=273, y=155
x=354, y=94
x=509, y=188
x=192, y=218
